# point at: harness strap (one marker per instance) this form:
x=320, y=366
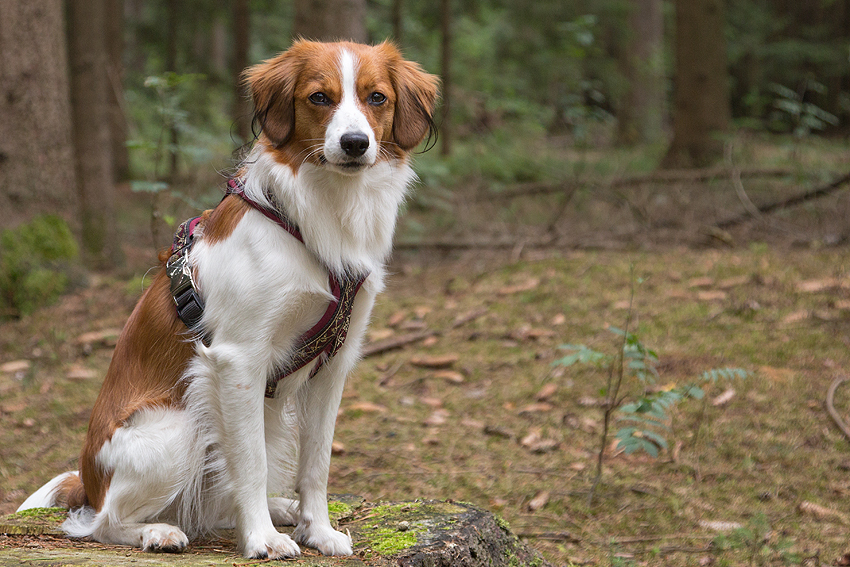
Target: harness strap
x=322, y=341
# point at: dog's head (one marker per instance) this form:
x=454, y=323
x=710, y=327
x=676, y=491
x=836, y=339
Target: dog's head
x=341, y=105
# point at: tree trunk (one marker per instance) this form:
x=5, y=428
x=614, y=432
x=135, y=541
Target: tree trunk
x=36, y=151
x=241, y=43
x=641, y=114
x=701, y=112
x=446, y=71
x=171, y=65
x=398, y=21
x=329, y=20
x=115, y=91
x=92, y=140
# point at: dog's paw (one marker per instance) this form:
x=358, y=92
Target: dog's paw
x=163, y=538
x=272, y=545
x=324, y=538
x=284, y=512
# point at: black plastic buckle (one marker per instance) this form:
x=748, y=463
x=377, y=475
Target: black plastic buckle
x=190, y=306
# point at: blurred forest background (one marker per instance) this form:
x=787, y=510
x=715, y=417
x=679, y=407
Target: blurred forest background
x=109, y=100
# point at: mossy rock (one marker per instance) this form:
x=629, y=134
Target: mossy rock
x=410, y=534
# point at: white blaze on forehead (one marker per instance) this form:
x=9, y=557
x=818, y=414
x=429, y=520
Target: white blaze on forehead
x=348, y=117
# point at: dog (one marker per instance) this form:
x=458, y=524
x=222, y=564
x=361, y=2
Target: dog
x=182, y=439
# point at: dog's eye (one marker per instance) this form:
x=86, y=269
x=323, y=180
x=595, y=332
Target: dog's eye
x=320, y=99
x=377, y=98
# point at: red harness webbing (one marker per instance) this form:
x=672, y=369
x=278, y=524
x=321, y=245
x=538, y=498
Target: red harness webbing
x=326, y=337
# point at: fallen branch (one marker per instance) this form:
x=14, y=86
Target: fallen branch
x=656, y=177
x=830, y=406
x=788, y=202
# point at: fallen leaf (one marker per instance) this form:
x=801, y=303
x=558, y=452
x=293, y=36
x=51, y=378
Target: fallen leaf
x=734, y=281
x=107, y=337
x=525, y=333
x=15, y=366
x=719, y=525
x=536, y=443
x=723, y=398
x=337, y=448
x=79, y=373
x=437, y=418
x=438, y=361
x=821, y=512
x=539, y=407
x=472, y=423
x=711, y=295
x=546, y=392
x=396, y=318
x=421, y=310
x=539, y=501
x=623, y=304
x=527, y=285
x=450, y=376
x=430, y=341
x=796, y=316
x=815, y=286
x=842, y=304
x=367, y=407
x=559, y=319
x=704, y=281
x=431, y=402
x=380, y=334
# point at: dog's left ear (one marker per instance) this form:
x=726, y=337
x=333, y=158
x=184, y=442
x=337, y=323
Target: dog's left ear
x=272, y=87
x=416, y=99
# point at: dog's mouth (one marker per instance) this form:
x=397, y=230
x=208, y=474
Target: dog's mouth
x=352, y=166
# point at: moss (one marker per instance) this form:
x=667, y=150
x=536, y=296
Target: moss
x=34, y=264
x=42, y=514
x=338, y=510
x=388, y=541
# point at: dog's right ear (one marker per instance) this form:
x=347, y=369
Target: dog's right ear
x=272, y=87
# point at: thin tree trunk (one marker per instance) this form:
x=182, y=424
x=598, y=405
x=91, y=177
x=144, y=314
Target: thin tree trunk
x=701, y=110
x=115, y=73
x=329, y=20
x=171, y=65
x=241, y=43
x=36, y=150
x=398, y=22
x=641, y=115
x=446, y=133
x=92, y=141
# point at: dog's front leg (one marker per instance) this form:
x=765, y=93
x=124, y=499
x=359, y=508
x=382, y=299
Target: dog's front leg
x=318, y=403
x=241, y=385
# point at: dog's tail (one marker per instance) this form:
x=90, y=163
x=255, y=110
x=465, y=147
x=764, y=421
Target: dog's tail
x=64, y=491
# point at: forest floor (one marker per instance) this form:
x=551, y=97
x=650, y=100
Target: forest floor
x=754, y=473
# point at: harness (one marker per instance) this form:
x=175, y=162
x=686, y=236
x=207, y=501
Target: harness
x=321, y=342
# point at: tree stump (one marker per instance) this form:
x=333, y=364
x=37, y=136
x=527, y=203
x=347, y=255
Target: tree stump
x=410, y=534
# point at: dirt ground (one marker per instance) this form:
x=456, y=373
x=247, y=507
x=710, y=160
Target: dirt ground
x=754, y=473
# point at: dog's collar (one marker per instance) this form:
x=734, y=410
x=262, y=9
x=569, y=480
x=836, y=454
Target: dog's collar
x=321, y=342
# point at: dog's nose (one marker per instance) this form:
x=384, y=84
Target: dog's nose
x=354, y=144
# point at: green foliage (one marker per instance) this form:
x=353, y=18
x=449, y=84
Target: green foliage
x=34, y=260
x=645, y=419
x=799, y=116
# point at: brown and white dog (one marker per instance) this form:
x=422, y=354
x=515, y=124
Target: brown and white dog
x=181, y=438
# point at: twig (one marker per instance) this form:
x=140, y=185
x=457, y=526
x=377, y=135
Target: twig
x=551, y=536
x=830, y=406
x=735, y=175
x=789, y=202
x=392, y=343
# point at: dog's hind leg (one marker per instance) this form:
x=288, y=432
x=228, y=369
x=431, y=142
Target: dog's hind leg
x=151, y=463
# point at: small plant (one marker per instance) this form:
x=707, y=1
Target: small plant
x=759, y=542
x=646, y=419
x=34, y=261
x=804, y=117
